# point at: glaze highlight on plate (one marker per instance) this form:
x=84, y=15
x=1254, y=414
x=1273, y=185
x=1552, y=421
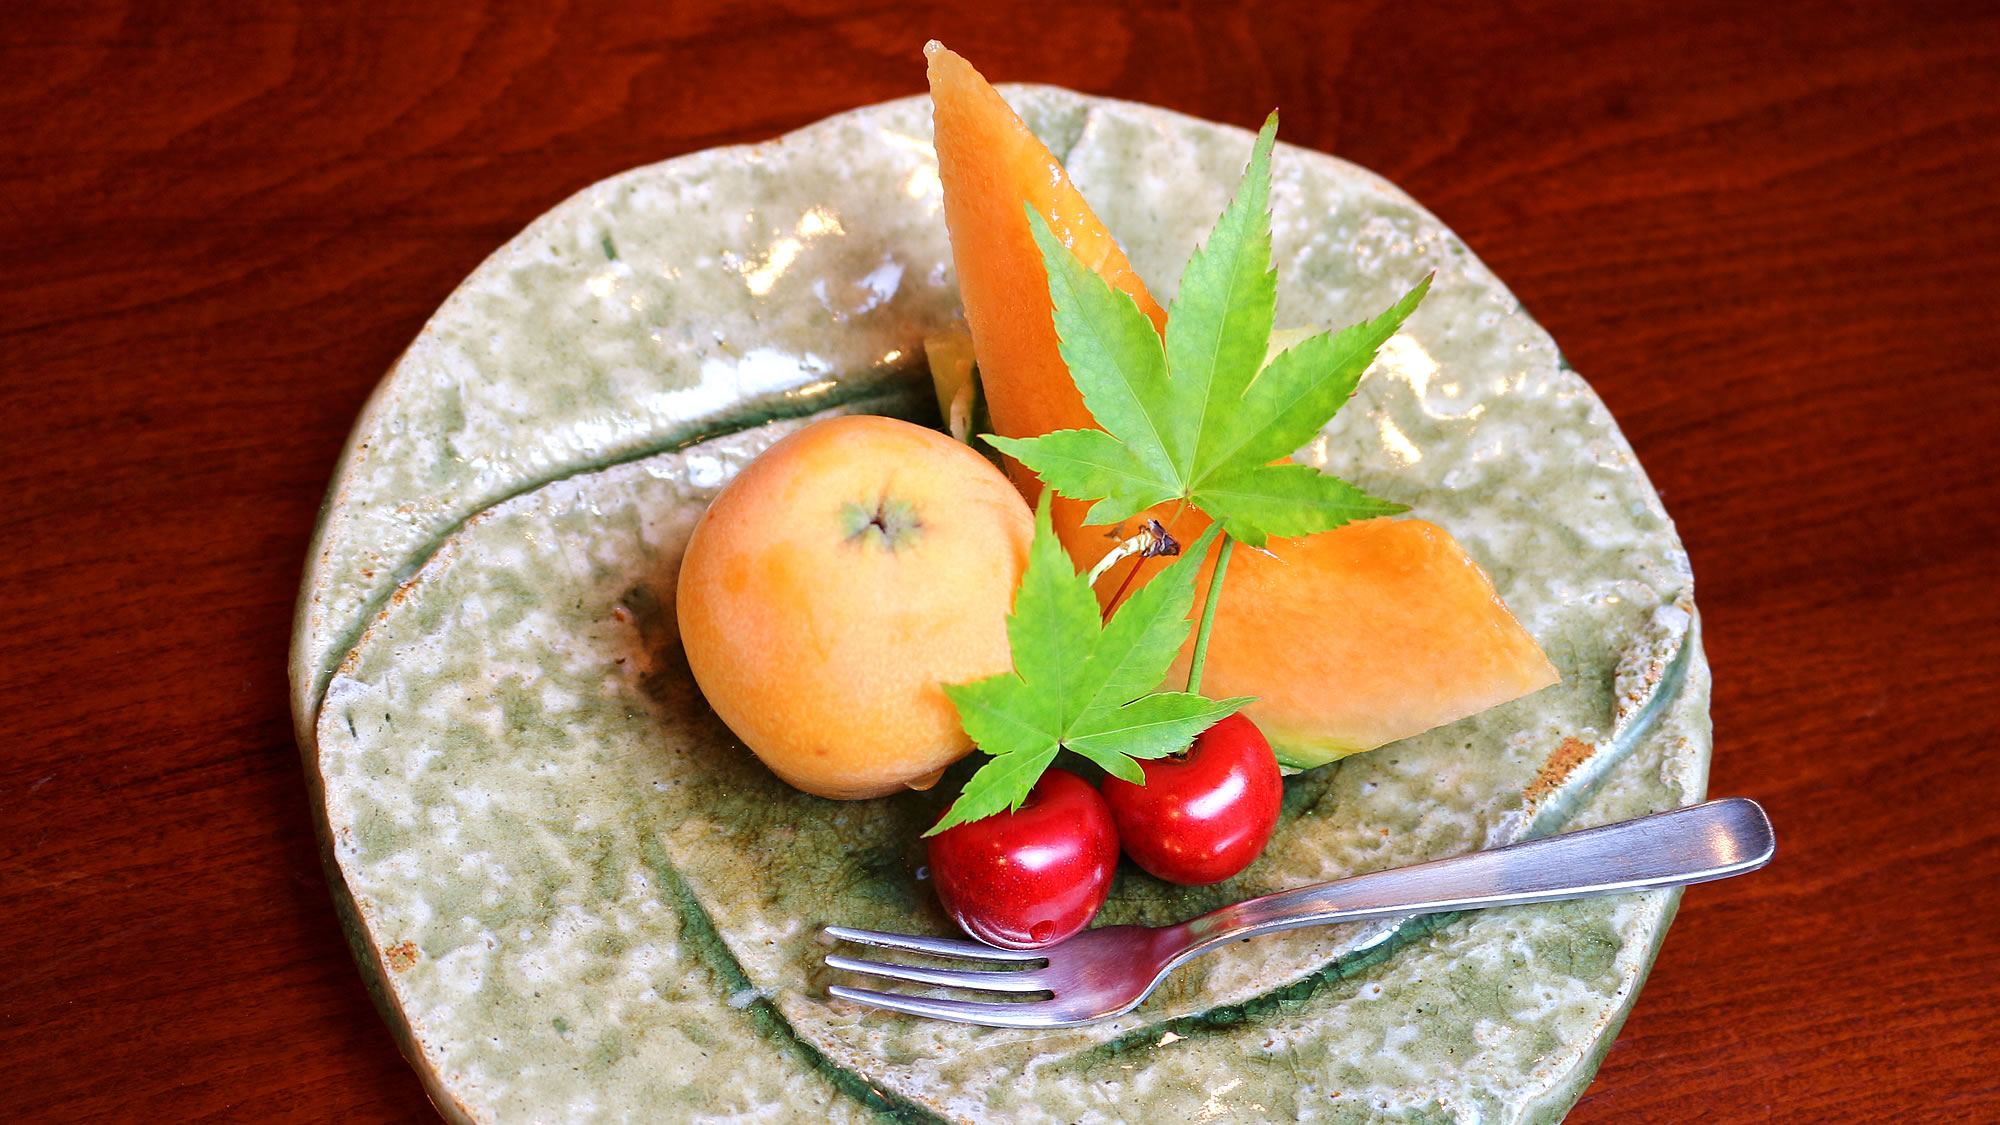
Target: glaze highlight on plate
x=576, y=899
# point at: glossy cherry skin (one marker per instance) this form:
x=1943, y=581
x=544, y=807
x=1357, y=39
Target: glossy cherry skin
x=1034, y=876
x=1204, y=815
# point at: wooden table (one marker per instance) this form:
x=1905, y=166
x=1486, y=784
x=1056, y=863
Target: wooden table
x=1768, y=233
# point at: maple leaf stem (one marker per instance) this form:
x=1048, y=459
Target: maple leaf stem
x=1208, y=615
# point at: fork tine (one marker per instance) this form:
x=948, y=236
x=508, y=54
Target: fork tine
x=1033, y=1014
x=936, y=947
x=1003, y=981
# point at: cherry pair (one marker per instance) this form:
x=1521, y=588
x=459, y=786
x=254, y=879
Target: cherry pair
x=1034, y=876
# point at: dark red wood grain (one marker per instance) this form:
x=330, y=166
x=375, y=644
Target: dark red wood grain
x=1769, y=233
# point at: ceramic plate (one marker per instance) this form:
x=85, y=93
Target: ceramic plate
x=577, y=898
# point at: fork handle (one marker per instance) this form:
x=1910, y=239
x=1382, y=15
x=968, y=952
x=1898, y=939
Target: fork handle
x=1691, y=845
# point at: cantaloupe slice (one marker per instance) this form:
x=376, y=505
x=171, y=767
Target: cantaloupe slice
x=1362, y=635
x=990, y=162
x=1351, y=638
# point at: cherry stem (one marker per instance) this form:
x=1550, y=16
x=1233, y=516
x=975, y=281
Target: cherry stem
x=1151, y=541
x=1111, y=606
x=1208, y=615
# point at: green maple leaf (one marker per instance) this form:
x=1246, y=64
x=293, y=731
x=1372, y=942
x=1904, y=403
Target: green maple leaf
x=1081, y=683
x=1200, y=417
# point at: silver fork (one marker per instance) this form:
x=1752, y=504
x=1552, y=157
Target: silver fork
x=1107, y=971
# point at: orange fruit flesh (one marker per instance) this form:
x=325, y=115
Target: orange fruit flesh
x=838, y=580
x=1363, y=635
x=1350, y=638
x=990, y=163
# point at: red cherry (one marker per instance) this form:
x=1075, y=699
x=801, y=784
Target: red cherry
x=1034, y=876
x=1204, y=815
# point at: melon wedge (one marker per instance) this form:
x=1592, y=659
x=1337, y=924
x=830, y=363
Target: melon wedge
x=989, y=163
x=1362, y=635
x=1350, y=639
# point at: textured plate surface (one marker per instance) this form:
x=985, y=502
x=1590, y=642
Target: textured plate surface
x=577, y=899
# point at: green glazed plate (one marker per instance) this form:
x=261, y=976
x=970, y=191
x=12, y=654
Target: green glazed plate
x=577, y=899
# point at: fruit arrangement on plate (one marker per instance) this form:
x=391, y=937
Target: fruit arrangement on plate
x=841, y=602
x=568, y=571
